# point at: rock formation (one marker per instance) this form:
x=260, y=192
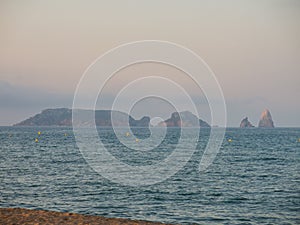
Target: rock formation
x=266, y=119
x=184, y=119
x=63, y=117
x=245, y=123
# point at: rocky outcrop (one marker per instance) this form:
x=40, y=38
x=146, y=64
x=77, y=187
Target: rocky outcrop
x=184, y=119
x=143, y=122
x=174, y=121
x=245, y=123
x=63, y=117
x=266, y=119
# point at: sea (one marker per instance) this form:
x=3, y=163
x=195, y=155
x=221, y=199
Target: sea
x=254, y=178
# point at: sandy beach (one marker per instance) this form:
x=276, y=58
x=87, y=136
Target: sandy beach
x=27, y=216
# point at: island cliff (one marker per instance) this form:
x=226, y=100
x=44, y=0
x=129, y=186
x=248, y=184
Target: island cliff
x=245, y=123
x=266, y=119
x=63, y=117
x=184, y=119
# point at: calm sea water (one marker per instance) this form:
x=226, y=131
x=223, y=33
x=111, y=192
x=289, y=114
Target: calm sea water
x=254, y=179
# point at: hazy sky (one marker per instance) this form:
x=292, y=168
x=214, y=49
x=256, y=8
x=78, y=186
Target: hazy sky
x=252, y=46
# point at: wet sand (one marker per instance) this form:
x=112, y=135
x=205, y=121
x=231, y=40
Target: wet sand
x=27, y=216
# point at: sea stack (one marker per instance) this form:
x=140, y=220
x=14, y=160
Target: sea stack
x=245, y=123
x=266, y=119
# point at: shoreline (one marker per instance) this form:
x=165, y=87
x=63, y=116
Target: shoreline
x=30, y=216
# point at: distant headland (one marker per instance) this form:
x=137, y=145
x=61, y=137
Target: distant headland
x=63, y=117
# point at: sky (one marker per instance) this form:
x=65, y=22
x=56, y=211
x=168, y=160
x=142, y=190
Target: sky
x=253, y=47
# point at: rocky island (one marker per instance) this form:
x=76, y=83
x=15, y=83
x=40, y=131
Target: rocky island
x=266, y=120
x=184, y=119
x=63, y=117
x=245, y=123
